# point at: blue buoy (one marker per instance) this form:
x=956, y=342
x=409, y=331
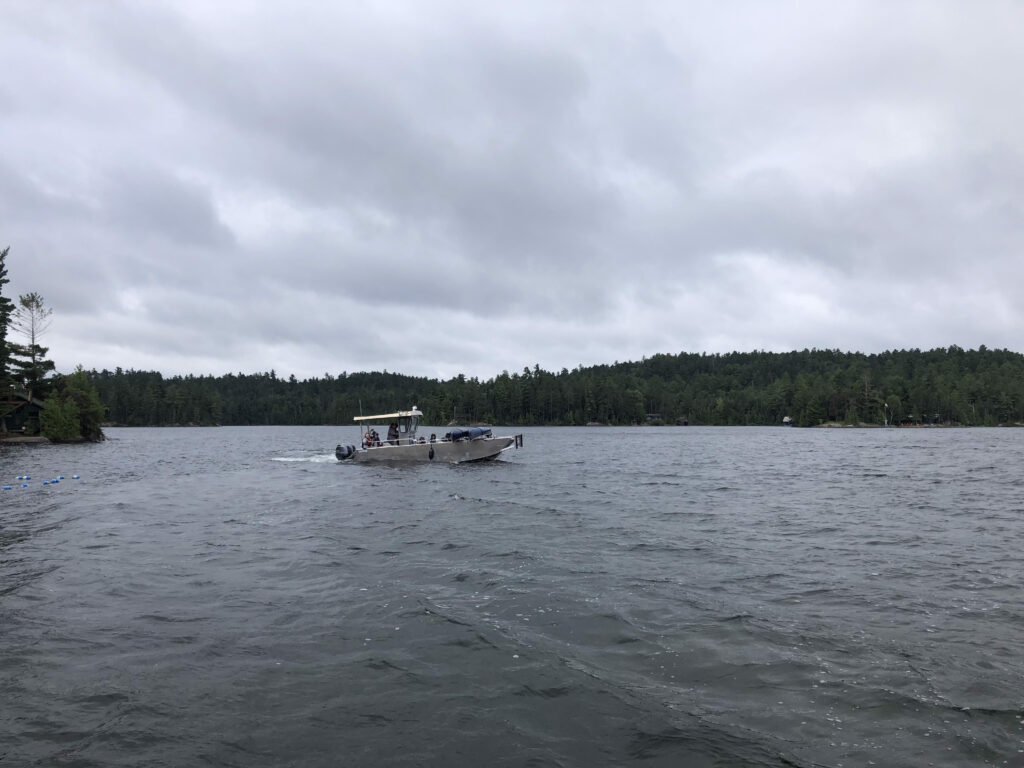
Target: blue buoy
x=27, y=477
x=61, y=477
x=76, y=477
x=7, y=487
x=24, y=485
x=46, y=482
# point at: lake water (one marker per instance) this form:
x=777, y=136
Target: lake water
x=648, y=596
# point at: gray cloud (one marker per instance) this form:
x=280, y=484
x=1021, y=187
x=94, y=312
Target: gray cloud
x=448, y=187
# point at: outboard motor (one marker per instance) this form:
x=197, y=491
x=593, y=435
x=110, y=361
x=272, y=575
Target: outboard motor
x=343, y=452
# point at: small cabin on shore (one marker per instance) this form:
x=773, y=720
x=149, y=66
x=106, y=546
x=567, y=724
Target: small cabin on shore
x=19, y=414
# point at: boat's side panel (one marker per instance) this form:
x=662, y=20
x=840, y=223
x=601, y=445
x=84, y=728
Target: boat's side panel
x=478, y=450
x=451, y=453
x=416, y=452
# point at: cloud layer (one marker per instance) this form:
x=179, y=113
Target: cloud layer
x=442, y=188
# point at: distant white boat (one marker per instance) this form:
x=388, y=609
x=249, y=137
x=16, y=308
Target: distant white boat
x=400, y=443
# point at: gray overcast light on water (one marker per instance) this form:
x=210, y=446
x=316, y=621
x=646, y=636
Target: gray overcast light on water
x=603, y=596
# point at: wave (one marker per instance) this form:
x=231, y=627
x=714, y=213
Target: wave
x=326, y=458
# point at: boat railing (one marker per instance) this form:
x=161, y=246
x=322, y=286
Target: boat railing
x=394, y=442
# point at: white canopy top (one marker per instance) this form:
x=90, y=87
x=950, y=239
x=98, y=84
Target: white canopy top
x=388, y=416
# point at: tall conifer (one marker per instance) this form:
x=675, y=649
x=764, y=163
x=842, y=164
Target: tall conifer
x=6, y=308
x=28, y=361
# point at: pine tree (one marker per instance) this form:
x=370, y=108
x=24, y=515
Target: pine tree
x=79, y=390
x=6, y=309
x=31, y=319
x=59, y=421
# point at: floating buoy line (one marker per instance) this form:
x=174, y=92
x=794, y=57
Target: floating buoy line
x=25, y=481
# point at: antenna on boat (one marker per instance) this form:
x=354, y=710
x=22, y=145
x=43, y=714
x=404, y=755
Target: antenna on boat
x=360, y=406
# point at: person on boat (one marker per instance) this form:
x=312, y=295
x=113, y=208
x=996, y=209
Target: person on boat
x=393, y=433
x=367, y=439
x=433, y=437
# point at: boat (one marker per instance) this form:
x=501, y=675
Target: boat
x=401, y=444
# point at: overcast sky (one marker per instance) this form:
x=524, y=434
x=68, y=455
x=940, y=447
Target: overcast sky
x=437, y=188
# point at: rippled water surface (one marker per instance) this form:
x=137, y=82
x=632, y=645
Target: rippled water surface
x=654, y=596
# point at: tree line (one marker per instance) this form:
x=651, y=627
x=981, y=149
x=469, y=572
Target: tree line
x=949, y=386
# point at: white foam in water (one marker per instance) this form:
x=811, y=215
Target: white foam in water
x=321, y=459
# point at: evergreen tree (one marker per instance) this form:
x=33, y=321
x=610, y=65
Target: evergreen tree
x=76, y=395
x=7, y=404
x=59, y=420
x=6, y=308
x=31, y=319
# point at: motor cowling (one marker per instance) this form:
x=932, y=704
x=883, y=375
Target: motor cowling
x=343, y=452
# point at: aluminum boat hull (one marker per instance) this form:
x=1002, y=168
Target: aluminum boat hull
x=481, y=449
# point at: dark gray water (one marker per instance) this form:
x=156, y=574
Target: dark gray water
x=656, y=597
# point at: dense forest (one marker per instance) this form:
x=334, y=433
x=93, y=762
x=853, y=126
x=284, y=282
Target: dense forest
x=948, y=386
x=951, y=386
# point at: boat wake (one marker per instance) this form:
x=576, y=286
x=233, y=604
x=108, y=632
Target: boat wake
x=324, y=458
